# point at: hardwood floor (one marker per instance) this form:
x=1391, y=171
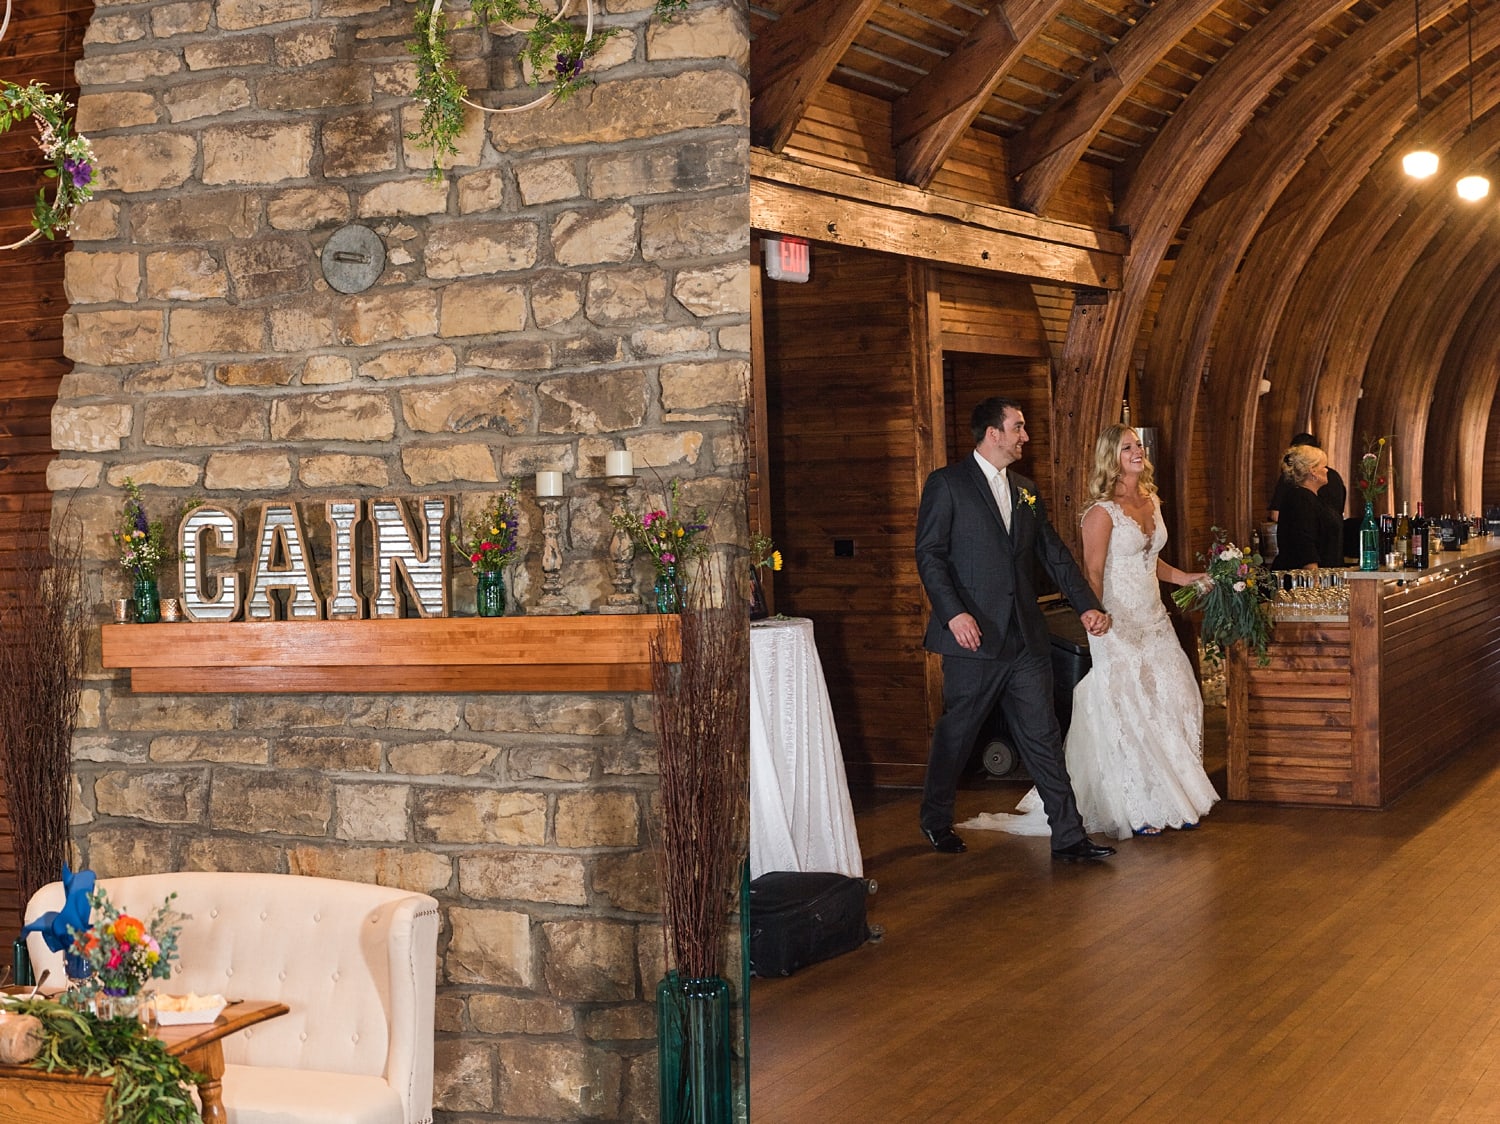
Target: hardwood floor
x=1275, y=965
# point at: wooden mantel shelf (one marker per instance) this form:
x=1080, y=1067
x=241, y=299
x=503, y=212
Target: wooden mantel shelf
x=409, y=656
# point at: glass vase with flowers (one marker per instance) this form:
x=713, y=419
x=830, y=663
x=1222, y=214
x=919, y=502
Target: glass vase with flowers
x=669, y=540
x=488, y=544
x=763, y=556
x=143, y=550
x=1373, y=479
x=123, y=951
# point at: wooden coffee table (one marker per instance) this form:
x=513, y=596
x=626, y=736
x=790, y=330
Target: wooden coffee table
x=62, y=1098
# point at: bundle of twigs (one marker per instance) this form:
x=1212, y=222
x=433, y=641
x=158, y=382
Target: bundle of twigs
x=41, y=664
x=703, y=726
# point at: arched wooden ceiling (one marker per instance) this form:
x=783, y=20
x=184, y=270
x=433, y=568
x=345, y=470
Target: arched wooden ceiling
x=1251, y=153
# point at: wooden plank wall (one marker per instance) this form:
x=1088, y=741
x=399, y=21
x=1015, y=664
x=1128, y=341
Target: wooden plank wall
x=42, y=43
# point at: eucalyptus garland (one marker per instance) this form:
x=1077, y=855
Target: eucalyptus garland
x=71, y=158
x=554, y=47
x=150, y=1085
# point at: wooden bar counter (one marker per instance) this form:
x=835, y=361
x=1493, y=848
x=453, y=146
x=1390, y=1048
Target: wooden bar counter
x=1353, y=711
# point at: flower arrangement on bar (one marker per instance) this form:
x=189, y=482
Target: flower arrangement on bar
x=124, y=951
x=69, y=154
x=1371, y=478
x=1235, y=599
x=554, y=46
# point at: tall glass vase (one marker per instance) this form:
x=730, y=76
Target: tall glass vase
x=1369, y=539
x=490, y=595
x=693, y=1050
x=147, y=600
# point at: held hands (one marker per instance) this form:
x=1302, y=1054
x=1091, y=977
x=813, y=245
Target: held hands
x=1095, y=622
x=965, y=630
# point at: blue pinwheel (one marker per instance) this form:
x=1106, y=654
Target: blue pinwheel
x=59, y=926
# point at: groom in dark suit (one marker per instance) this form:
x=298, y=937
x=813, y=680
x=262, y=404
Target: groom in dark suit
x=978, y=531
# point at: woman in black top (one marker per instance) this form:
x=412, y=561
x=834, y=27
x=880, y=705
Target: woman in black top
x=1308, y=533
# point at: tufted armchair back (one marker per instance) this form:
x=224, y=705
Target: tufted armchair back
x=356, y=963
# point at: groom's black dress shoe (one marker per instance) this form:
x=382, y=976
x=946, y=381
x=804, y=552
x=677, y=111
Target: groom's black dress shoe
x=1082, y=851
x=946, y=840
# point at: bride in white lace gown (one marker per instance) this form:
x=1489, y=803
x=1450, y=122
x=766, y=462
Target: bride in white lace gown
x=1135, y=746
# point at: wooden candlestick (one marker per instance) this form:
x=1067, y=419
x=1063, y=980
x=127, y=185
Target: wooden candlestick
x=622, y=553
x=553, y=603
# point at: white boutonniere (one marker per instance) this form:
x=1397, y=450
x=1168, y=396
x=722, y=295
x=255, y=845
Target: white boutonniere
x=1028, y=499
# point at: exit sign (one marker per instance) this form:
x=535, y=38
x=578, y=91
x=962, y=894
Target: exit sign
x=787, y=259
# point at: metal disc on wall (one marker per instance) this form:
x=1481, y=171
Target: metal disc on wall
x=353, y=258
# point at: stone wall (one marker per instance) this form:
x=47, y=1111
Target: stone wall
x=577, y=282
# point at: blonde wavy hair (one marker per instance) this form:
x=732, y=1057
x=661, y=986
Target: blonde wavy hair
x=1301, y=461
x=1106, y=471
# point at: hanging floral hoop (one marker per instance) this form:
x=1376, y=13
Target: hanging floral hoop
x=70, y=154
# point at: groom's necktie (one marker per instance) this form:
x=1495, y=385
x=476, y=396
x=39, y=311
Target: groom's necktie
x=1001, y=485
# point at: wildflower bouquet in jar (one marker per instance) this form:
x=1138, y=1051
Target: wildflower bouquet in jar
x=663, y=534
x=142, y=541
x=491, y=539
x=1235, y=599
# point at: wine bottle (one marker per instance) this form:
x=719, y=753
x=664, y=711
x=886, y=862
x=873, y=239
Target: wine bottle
x=1420, y=540
x=1403, y=539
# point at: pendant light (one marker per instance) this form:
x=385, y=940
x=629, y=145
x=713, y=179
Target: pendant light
x=1473, y=187
x=1422, y=162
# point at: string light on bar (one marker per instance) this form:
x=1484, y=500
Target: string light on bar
x=1422, y=162
x=1473, y=187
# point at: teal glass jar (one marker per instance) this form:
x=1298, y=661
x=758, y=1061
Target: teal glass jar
x=490, y=594
x=147, y=600
x=667, y=593
x=693, y=1050
x=1369, y=540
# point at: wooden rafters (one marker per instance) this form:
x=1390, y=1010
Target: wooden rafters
x=790, y=61
x=930, y=118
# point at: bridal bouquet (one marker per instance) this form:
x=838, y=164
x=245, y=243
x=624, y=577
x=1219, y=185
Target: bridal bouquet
x=1235, y=599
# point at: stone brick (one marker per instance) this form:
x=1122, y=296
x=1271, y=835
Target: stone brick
x=475, y=308
x=241, y=750
x=692, y=386
x=532, y=876
x=590, y=349
x=256, y=152
x=240, y=15
x=328, y=754
x=228, y=52
x=621, y=1022
x=628, y=881
x=596, y=402
x=164, y=473
x=463, y=1076
x=590, y=960
x=258, y=372
x=556, y=298
x=360, y=144
x=466, y=249
x=273, y=801
x=696, y=228
x=209, y=98
x=303, y=208
x=491, y=947
x=108, y=749
x=69, y=476
x=593, y=236
x=479, y=816
x=316, y=87
x=91, y=429
x=185, y=275
x=115, y=28
x=410, y=712
x=378, y=317
x=444, y=757
x=348, y=415
x=228, y=852
x=342, y=470
x=168, y=20
x=447, y=464
x=160, y=712
x=628, y=109
x=157, y=797
x=597, y=819
x=219, y=420
x=579, y=715
x=714, y=32
x=674, y=167
x=326, y=370
x=469, y=143
x=371, y=812
x=125, y=68
x=494, y=405
x=194, y=331
x=483, y=190
x=514, y=1014
x=551, y=1080
x=513, y=355
x=116, y=852
x=717, y=291
x=250, y=471
x=548, y=181
x=292, y=713
x=166, y=376
x=305, y=45
x=303, y=325
x=678, y=340
x=665, y=449
x=271, y=266
x=410, y=362
x=96, y=221
x=623, y=296
x=116, y=337
x=734, y=337
x=99, y=113
x=197, y=219
x=143, y=161
x=402, y=197
x=422, y=872
x=551, y=763
x=88, y=384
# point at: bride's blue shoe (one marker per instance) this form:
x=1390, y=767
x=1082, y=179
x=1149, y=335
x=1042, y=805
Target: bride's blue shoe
x=1147, y=830
x=1189, y=826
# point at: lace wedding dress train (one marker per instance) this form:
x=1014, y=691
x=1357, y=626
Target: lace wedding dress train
x=1135, y=746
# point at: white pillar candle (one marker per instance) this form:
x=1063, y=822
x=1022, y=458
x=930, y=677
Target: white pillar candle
x=549, y=483
x=618, y=462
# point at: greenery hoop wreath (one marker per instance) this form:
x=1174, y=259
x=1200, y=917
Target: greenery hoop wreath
x=555, y=46
x=71, y=157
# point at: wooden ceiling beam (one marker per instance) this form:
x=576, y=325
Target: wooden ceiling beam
x=793, y=58
x=1462, y=399
x=930, y=118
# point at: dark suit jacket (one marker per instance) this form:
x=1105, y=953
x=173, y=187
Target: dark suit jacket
x=969, y=563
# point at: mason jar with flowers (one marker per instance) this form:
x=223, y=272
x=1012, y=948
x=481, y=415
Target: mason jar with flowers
x=143, y=549
x=668, y=540
x=488, y=544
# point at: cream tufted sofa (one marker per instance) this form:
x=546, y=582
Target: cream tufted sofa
x=355, y=963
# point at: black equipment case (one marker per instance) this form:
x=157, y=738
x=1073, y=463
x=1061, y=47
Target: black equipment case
x=1070, y=663
x=798, y=918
